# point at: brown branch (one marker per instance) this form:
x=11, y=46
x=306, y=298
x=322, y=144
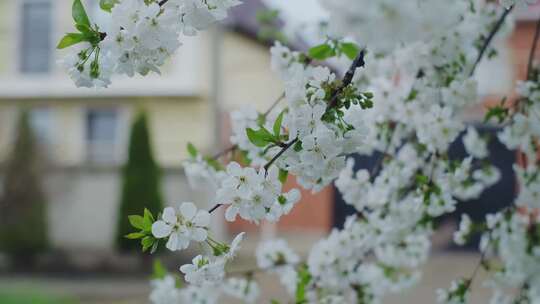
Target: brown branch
x=280, y=98
x=215, y=208
x=358, y=62
x=492, y=34
x=225, y=152
x=278, y=155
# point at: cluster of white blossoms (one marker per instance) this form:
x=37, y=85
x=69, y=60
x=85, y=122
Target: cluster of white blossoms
x=142, y=35
x=464, y=231
x=405, y=104
x=254, y=195
x=511, y=237
x=456, y=294
x=179, y=227
x=210, y=269
x=166, y=291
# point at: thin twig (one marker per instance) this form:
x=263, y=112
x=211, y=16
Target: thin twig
x=348, y=78
x=492, y=34
x=215, y=208
x=224, y=152
x=278, y=100
x=278, y=155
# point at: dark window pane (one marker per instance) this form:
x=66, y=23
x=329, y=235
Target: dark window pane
x=36, y=40
x=101, y=131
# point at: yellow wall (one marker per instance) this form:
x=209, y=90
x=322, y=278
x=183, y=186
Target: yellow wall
x=173, y=122
x=5, y=33
x=248, y=78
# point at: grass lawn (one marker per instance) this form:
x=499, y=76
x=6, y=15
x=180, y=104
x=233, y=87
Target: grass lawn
x=31, y=297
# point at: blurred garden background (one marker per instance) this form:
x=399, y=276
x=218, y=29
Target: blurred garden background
x=74, y=163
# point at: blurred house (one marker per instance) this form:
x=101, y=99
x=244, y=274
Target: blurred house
x=85, y=131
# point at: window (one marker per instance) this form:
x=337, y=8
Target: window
x=36, y=25
x=40, y=120
x=101, y=136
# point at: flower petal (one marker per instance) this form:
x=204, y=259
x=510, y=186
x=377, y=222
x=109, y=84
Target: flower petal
x=234, y=169
x=188, y=210
x=230, y=214
x=172, y=243
x=160, y=229
x=169, y=215
x=202, y=219
x=199, y=234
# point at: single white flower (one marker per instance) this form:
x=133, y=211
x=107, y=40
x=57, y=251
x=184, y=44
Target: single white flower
x=204, y=270
x=182, y=226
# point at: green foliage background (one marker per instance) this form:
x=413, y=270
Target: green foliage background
x=141, y=180
x=23, y=210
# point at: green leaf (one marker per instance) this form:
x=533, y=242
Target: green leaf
x=351, y=50
x=297, y=146
x=154, y=247
x=69, y=40
x=321, y=52
x=498, y=112
x=147, y=242
x=192, y=150
x=214, y=163
x=136, y=221
x=422, y=179
x=260, y=138
x=304, y=277
x=85, y=29
x=79, y=14
x=135, y=236
x=148, y=220
x=283, y=174
x=107, y=5
x=267, y=16
x=159, y=271
x=277, y=125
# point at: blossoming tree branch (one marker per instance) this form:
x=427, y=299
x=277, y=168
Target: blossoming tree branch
x=409, y=75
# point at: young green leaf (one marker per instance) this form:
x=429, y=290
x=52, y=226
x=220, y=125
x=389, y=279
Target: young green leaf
x=297, y=146
x=136, y=221
x=148, y=220
x=135, y=236
x=107, y=5
x=214, y=163
x=79, y=13
x=69, y=40
x=159, y=271
x=498, y=112
x=350, y=49
x=147, y=242
x=321, y=52
x=85, y=29
x=154, y=247
x=304, y=277
x=260, y=138
x=283, y=174
x=192, y=150
x=277, y=125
